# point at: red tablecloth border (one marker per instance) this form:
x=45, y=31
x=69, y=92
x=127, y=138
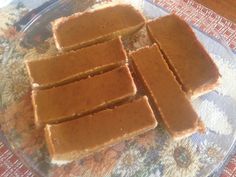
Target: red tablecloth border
x=203, y=18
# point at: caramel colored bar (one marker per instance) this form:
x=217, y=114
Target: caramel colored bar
x=77, y=138
x=45, y=73
x=176, y=111
x=81, y=97
x=187, y=58
x=84, y=29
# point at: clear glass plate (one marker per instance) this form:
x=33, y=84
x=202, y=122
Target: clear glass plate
x=151, y=154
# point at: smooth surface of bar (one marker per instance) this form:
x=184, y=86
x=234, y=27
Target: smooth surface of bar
x=73, y=139
x=85, y=96
x=76, y=64
x=187, y=58
x=176, y=111
x=83, y=29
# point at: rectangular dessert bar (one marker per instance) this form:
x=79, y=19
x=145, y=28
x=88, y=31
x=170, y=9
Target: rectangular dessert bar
x=57, y=70
x=175, y=109
x=189, y=61
x=84, y=29
x=75, y=99
x=71, y=140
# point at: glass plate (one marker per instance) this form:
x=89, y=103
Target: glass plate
x=151, y=154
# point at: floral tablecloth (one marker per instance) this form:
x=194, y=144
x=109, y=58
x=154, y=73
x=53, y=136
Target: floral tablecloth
x=14, y=17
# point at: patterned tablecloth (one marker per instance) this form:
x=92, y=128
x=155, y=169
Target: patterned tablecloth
x=16, y=14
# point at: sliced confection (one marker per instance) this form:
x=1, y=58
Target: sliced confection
x=187, y=58
x=61, y=69
x=77, y=138
x=84, y=29
x=175, y=109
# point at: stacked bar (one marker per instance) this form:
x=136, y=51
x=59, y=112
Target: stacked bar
x=176, y=111
x=77, y=138
x=191, y=64
x=83, y=29
x=75, y=65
